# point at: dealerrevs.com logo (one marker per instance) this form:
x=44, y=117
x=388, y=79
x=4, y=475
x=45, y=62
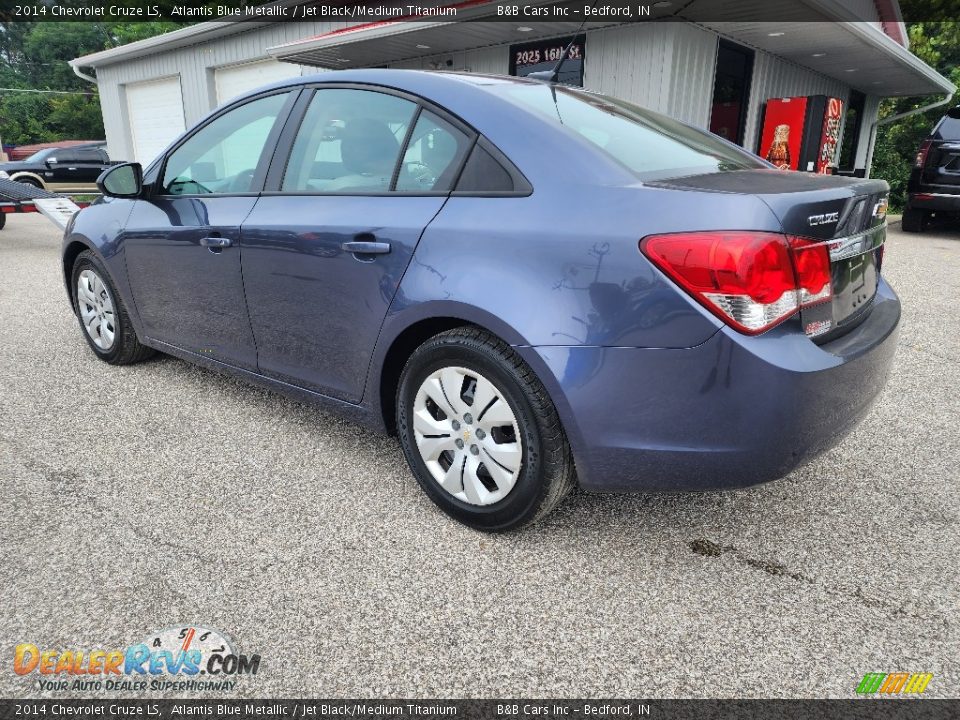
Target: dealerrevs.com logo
x=181, y=659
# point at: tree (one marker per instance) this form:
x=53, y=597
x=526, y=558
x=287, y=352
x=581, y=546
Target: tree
x=34, y=56
x=937, y=43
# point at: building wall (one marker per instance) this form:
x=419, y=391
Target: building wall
x=690, y=96
x=668, y=67
x=491, y=60
x=775, y=77
x=195, y=65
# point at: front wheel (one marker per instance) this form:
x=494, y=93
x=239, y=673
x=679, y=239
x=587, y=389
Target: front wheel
x=480, y=433
x=103, y=318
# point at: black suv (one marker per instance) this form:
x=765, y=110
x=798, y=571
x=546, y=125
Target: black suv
x=69, y=169
x=934, y=185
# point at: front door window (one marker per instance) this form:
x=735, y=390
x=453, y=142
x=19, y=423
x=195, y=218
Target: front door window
x=222, y=157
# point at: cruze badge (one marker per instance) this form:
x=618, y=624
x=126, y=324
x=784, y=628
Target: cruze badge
x=824, y=219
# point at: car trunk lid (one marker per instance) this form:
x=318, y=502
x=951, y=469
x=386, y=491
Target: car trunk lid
x=847, y=213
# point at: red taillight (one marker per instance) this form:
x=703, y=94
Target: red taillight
x=811, y=260
x=921, y=159
x=750, y=280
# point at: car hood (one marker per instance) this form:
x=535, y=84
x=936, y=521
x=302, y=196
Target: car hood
x=17, y=166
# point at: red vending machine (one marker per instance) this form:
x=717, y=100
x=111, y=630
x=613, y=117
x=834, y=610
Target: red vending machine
x=802, y=133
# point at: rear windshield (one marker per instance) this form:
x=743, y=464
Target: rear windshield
x=947, y=129
x=651, y=145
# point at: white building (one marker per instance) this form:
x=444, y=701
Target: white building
x=716, y=75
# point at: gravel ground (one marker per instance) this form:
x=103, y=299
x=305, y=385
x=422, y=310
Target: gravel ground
x=139, y=498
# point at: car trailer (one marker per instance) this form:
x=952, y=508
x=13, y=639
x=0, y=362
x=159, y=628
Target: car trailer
x=16, y=197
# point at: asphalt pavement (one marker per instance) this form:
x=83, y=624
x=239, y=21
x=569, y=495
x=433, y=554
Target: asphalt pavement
x=138, y=498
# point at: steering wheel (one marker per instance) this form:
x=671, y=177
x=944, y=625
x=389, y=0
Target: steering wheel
x=421, y=174
x=241, y=181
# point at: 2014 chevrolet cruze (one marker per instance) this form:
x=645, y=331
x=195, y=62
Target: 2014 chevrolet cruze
x=532, y=285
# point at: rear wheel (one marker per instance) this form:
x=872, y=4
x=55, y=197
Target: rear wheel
x=914, y=220
x=103, y=319
x=479, y=432
x=30, y=181
x=3, y=219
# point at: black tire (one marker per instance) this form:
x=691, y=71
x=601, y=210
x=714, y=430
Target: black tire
x=3, y=220
x=546, y=473
x=126, y=347
x=31, y=182
x=914, y=220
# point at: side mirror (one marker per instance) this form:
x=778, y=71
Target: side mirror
x=51, y=161
x=122, y=181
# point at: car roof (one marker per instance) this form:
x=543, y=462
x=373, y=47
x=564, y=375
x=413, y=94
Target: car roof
x=418, y=82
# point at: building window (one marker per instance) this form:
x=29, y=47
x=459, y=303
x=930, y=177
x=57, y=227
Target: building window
x=731, y=91
x=545, y=54
x=851, y=130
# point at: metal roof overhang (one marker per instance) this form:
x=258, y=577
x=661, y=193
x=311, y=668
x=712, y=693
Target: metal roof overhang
x=858, y=54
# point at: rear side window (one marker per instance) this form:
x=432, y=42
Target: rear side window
x=349, y=141
x=67, y=156
x=483, y=173
x=88, y=156
x=433, y=157
x=651, y=145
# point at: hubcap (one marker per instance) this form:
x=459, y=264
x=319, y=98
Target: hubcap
x=467, y=435
x=96, y=309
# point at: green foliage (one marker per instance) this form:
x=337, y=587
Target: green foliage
x=47, y=48
x=23, y=116
x=34, y=56
x=75, y=116
x=938, y=45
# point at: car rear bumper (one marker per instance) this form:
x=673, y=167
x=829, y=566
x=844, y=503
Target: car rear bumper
x=732, y=412
x=943, y=202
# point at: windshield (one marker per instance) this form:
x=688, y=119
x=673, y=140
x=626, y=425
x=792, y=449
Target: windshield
x=39, y=155
x=652, y=146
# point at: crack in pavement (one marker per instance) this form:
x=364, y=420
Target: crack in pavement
x=708, y=548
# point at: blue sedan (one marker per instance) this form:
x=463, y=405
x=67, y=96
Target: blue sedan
x=533, y=286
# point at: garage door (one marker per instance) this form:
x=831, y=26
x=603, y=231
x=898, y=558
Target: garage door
x=155, y=110
x=235, y=80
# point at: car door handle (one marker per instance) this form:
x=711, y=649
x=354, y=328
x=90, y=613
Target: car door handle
x=217, y=243
x=366, y=247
